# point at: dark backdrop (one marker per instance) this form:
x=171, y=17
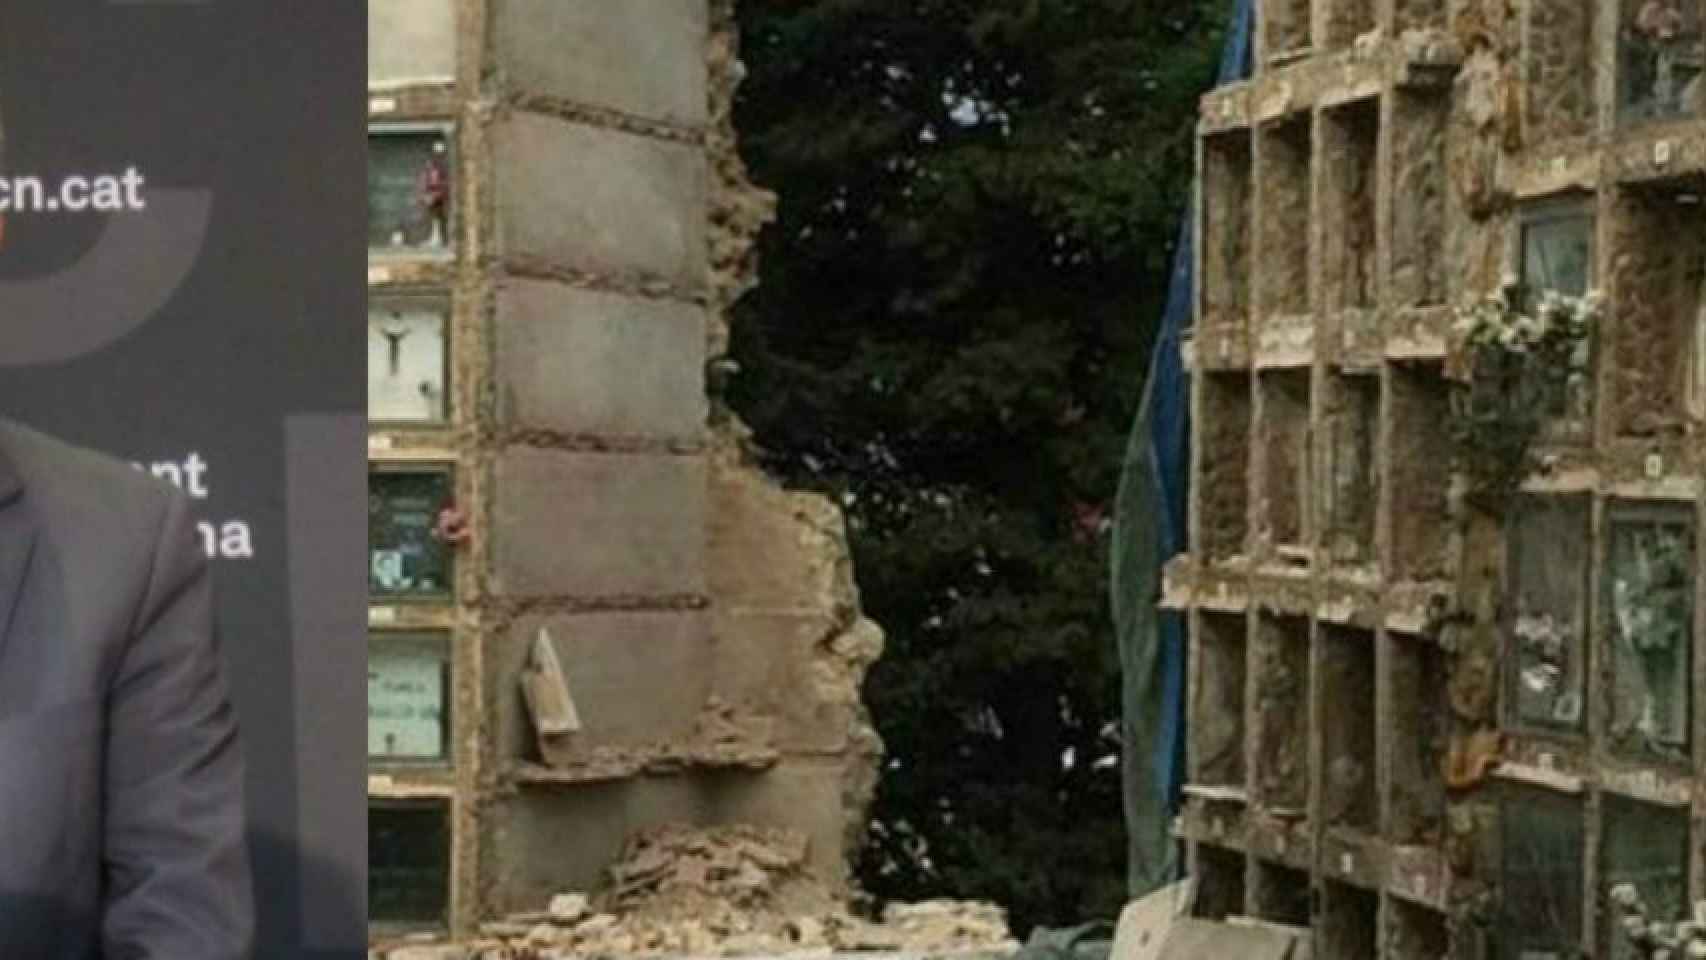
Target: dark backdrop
x=223, y=321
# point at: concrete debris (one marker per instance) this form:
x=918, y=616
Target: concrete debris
x=724, y=892
x=440, y=951
x=676, y=872
x=1147, y=923
x=546, y=689
x=569, y=907
x=1194, y=939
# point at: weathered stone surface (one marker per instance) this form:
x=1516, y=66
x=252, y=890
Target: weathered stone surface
x=1284, y=27
x=782, y=664
x=1282, y=217
x=807, y=796
x=635, y=677
x=758, y=529
x=410, y=42
x=598, y=524
x=584, y=362
x=443, y=951
x=1226, y=224
x=548, y=840
x=1560, y=70
x=569, y=907
x=1660, y=248
x=739, y=209
x=587, y=52
x=600, y=201
x=1418, y=201
x=1420, y=14
x=1223, y=480
x=1346, y=20
x=1217, y=712
x=1347, y=255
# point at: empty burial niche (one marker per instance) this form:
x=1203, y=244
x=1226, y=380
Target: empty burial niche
x=1649, y=602
x=1645, y=845
x=1352, y=135
x=1420, y=740
x=1660, y=60
x=1420, y=186
x=1286, y=486
x=1540, y=912
x=1559, y=65
x=1217, y=724
x=1347, y=727
x=1420, y=452
x=1415, y=932
x=1227, y=187
x=1220, y=883
x=1660, y=275
x=1346, y=20
x=408, y=864
x=1281, y=895
x=1350, y=923
x=1283, y=219
x=1281, y=688
x=1352, y=424
x=1549, y=569
x=1285, y=29
x=1223, y=484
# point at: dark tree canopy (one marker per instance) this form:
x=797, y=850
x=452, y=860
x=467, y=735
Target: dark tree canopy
x=979, y=205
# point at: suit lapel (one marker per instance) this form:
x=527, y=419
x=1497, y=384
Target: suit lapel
x=17, y=543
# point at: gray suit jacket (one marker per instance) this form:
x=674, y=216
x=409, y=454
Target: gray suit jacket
x=121, y=786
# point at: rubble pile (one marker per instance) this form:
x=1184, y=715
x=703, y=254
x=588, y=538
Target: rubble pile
x=727, y=892
x=732, y=874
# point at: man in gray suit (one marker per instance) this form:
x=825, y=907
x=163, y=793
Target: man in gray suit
x=121, y=784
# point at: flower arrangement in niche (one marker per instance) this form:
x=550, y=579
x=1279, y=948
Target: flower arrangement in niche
x=1517, y=367
x=1655, y=939
x=1652, y=588
x=1545, y=648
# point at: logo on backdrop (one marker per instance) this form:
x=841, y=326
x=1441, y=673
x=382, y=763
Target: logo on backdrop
x=142, y=257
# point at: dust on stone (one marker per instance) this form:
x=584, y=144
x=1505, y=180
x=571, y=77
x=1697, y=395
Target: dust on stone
x=722, y=892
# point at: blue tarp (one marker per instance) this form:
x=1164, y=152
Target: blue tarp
x=1149, y=530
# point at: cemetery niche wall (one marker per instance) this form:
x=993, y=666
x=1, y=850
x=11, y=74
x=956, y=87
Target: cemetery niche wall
x=588, y=614
x=1517, y=676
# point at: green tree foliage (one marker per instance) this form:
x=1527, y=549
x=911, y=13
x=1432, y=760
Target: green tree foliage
x=979, y=202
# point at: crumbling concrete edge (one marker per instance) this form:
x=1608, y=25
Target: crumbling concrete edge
x=739, y=211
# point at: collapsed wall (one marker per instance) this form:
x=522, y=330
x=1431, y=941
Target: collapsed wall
x=762, y=611
x=638, y=628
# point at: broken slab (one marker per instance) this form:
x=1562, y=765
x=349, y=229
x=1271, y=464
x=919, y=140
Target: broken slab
x=1193, y=939
x=546, y=689
x=1146, y=923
